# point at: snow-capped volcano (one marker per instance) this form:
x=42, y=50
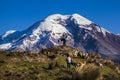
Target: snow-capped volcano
x=82, y=34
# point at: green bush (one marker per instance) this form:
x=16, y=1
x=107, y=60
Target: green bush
x=52, y=65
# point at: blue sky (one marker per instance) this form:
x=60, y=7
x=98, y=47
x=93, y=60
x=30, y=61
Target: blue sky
x=20, y=14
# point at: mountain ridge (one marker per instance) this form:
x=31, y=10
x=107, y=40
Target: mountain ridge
x=82, y=34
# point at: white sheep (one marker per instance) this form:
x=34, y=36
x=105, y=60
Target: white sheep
x=101, y=65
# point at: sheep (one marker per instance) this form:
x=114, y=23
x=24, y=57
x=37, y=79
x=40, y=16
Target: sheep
x=101, y=65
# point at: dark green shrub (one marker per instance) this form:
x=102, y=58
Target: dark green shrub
x=53, y=65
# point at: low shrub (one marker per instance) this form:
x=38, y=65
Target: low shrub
x=89, y=72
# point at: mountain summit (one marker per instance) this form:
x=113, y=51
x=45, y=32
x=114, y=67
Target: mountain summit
x=82, y=34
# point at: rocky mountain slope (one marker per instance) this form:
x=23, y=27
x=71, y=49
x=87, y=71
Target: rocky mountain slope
x=82, y=34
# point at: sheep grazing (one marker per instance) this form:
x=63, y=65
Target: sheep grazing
x=101, y=65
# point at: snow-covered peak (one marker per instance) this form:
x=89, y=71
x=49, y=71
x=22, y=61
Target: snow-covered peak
x=8, y=33
x=81, y=20
x=57, y=16
x=55, y=23
x=78, y=18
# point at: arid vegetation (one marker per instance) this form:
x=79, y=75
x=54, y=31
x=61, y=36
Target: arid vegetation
x=50, y=64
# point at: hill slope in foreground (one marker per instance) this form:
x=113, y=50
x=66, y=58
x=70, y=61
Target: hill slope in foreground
x=50, y=64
